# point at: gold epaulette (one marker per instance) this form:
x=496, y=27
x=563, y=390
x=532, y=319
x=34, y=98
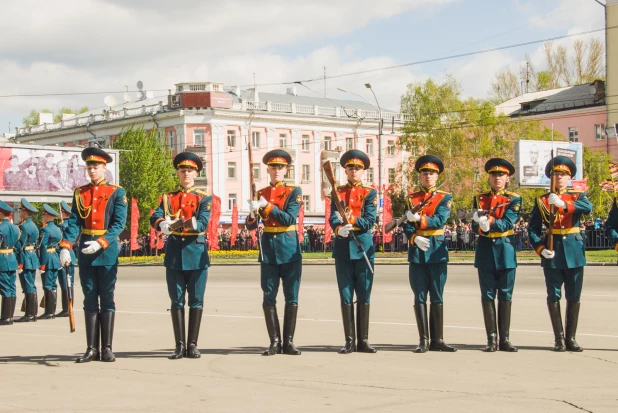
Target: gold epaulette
x=199, y=191
x=571, y=191
x=291, y=185
x=512, y=194
x=443, y=192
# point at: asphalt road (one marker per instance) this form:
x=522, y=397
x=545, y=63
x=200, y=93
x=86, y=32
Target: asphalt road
x=38, y=372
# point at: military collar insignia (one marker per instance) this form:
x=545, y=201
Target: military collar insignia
x=280, y=183
x=103, y=182
x=350, y=184
x=433, y=188
x=500, y=192
x=187, y=190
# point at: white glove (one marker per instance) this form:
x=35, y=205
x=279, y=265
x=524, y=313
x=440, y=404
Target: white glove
x=412, y=217
x=484, y=224
x=476, y=216
x=547, y=254
x=344, y=231
x=555, y=200
x=255, y=205
x=165, y=228
x=421, y=242
x=92, y=247
x=65, y=257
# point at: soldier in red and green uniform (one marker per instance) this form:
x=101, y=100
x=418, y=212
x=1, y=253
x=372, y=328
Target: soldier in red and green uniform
x=99, y=214
x=428, y=253
x=354, y=273
x=186, y=256
x=280, y=258
x=565, y=264
x=611, y=224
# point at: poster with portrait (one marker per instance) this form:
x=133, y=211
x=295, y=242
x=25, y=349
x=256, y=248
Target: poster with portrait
x=531, y=157
x=41, y=173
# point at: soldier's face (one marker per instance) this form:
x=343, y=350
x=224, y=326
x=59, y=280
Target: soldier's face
x=429, y=179
x=276, y=173
x=562, y=179
x=96, y=171
x=186, y=176
x=498, y=181
x=354, y=173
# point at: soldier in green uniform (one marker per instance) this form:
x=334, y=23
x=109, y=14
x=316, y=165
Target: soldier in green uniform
x=611, y=224
x=428, y=253
x=28, y=259
x=565, y=264
x=99, y=214
x=186, y=254
x=65, y=211
x=494, y=219
x=354, y=272
x=280, y=258
x=9, y=234
x=51, y=235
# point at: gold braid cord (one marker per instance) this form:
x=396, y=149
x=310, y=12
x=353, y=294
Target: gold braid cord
x=167, y=207
x=83, y=210
x=545, y=212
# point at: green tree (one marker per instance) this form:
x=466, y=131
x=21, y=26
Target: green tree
x=596, y=170
x=146, y=169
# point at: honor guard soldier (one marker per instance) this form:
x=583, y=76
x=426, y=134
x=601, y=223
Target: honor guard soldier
x=99, y=213
x=65, y=211
x=183, y=216
x=28, y=259
x=280, y=258
x=611, y=224
x=496, y=212
x=565, y=264
x=428, y=253
x=50, y=235
x=354, y=266
x=9, y=234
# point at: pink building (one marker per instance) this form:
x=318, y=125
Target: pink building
x=216, y=122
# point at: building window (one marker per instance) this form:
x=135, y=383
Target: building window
x=599, y=132
x=255, y=139
x=231, y=170
x=306, y=173
x=198, y=137
x=305, y=140
x=391, y=175
x=349, y=144
x=256, y=171
x=369, y=146
x=290, y=173
x=283, y=141
x=231, y=138
x=390, y=149
x=369, y=175
x=231, y=201
x=573, y=135
x=327, y=142
x=171, y=135
x=306, y=201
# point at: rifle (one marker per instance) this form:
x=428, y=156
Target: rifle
x=254, y=193
x=552, y=210
x=67, y=282
x=394, y=224
x=328, y=170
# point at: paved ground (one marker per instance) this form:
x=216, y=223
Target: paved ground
x=38, y=372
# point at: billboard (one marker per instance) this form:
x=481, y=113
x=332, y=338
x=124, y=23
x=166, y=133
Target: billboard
x=45, y=173
x=531, y=157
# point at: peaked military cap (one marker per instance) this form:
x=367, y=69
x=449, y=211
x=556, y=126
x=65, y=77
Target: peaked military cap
x=49, y=210
x=65, y=207
x=561, y=164
x=277, y=157
x=499, y=165
x=5, y=208
x=96, y=155
x=355, y=157
x=188, y=160
x=429, y=163
x=27, y=205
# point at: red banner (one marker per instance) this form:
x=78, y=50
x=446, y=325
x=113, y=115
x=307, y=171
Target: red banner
x=134, y=224
x=153, y=234
x=213, y=224
x=580, y=185
x=328, y=231
x=234, y=233
x=387, y=214
x=301, y=220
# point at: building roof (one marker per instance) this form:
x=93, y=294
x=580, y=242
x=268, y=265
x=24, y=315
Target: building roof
x=514, y=105
x=575, y=97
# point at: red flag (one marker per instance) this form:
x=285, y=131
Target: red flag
x=301, y=220
x=153, y=234
x=213, y=224
x=328, y=231
x=580, y=185
x=134, y=224
x=387, y=215
x=234, y=233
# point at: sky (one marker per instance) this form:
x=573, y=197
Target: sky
x=106, y=46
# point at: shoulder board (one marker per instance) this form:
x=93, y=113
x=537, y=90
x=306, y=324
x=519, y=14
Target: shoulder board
x=368, y=186
x=199, y=191
x=482, y=193
x=114, y=185
x=84, y=186
x=291, y=186
x=443, y=192
x=509, y=193
x=573, y=191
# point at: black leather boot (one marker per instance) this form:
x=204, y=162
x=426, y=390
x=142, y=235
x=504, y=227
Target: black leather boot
x=504, y=326
x=556, y=323
x=420, y=311
x=289, y=326
x=195, y=320
x=106, y=319
x=8, y=309
x=489, y=316
x=274, y=330
x=436, y=326
x=572, y=316
x=65, y=304
x=362, y=328
x=30, y=310
x=50, y=305
x=347, y=313
x=92, y=338
x=178, y=323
